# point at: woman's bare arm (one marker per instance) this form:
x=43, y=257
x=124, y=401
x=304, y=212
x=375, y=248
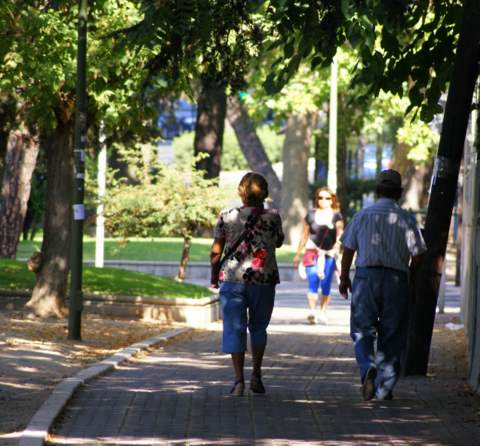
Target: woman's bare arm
x=339, y=231
x=215, y=255
x=339, y=228
x=301, y=244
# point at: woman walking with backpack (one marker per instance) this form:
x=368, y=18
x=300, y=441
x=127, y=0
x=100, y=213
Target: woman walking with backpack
x=247, y=276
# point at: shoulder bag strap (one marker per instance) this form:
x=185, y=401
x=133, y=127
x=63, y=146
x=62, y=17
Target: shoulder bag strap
x=239, y=240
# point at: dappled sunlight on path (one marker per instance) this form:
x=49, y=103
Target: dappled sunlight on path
x=179, y=395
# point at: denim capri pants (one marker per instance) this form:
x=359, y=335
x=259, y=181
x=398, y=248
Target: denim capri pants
x=314, y=281
x=245, y=305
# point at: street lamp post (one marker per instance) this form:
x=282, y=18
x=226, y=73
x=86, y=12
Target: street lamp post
x=76, y=296
x=332, y=129
x=100, y=220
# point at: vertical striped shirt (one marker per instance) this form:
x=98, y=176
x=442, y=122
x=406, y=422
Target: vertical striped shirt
x=384, y=234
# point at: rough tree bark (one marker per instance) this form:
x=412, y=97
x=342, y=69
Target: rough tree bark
x=19, y=163
x=209, y=127
x=444, y=187
x=415, y=179
x=182, y=268
x=48, y=297
x=7, y=120
x=296, y=150
x=252, y=147
x=118, y=164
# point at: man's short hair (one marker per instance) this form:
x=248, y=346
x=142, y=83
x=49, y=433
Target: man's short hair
x=389, y=184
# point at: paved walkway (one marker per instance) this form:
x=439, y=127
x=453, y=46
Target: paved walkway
x=179, y=395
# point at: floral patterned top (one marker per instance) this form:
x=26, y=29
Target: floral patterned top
x=254, y=260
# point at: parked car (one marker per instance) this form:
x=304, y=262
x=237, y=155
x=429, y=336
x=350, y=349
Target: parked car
x=176, y=118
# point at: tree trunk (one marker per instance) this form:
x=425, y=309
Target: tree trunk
x=321, y=157
x=48, y=297
x=414, y=186
x=296, y=150
x=121, y=167
x=20, y=160
x=211, y=110
x=415, y=179
x=7, y=120
x=182, y=269
x=252, y=147
x=444, y=187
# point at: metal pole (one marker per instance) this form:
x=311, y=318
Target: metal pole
x=100, y=220
x=332, y=129
x=76, y=296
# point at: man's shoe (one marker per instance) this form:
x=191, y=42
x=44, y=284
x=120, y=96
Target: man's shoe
x=312, y=320
x=368, y=386
x=256, y=385
x=381, y=395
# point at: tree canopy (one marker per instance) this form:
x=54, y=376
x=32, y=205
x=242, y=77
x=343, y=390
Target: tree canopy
x=403, y=47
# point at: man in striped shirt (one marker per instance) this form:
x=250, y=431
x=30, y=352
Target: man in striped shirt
x=385, y=238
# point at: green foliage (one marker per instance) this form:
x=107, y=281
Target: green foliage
x=232, y=156
x=38, y=42
x=386, y=118
x=401, y=46
x=106, y=281
x=169, y=201
x=192, y=39
x=422, y=140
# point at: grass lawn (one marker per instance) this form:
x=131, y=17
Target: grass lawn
x=109, y=281
x=159, y=249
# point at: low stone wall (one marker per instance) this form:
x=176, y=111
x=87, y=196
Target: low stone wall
x=195, y=270
x=193, y=312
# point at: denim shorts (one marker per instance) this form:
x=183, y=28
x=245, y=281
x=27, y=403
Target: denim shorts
x=245, y=305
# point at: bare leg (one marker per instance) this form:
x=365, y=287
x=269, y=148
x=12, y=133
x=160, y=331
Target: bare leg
x=312, y=300
x=256, y=384
x=257, y=358
x=312, y=304
x=238, y=360
x=324, y=301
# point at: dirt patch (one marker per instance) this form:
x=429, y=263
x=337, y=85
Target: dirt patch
x=35, y=355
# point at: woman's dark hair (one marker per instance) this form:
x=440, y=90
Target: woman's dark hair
x=253, y=188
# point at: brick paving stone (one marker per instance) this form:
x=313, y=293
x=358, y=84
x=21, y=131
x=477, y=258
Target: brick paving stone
x=179, y=394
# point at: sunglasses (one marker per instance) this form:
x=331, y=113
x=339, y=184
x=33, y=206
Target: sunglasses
x=324, y=198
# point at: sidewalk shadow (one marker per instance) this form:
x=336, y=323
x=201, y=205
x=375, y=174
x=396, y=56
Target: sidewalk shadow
x=180, y=396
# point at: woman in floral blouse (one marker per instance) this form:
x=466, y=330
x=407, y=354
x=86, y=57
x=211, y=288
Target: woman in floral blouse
x=247, y=276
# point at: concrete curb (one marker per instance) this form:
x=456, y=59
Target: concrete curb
x=37, y=431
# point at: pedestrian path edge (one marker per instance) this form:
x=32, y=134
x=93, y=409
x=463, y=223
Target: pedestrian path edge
x=37, y=431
